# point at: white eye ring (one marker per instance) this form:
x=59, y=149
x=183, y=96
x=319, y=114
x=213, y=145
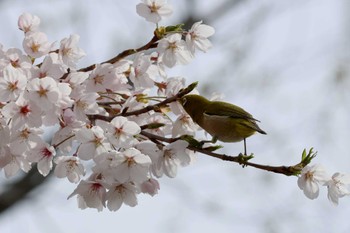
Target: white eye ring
x=184, y=101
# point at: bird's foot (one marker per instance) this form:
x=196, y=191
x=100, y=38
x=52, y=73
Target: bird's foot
x=243, y=159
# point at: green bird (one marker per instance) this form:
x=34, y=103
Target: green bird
x=223, y=121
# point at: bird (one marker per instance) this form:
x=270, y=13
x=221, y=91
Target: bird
x=223, y=121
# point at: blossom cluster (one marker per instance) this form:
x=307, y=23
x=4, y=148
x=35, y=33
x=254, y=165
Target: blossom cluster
x=313, y=176
x=43, y=87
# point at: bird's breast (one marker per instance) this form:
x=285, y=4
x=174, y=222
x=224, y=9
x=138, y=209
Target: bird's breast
x=225, y=128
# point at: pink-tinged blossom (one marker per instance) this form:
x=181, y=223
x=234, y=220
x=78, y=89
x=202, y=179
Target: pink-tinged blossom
x=184, y=125
x=173, y=155
x=143, y=72
x=170, y=88
x=91, y=194
x=28, y=22
x=150, y=186
x=93, y=142
x=338, y=187
x=102, y=78
x=69, y=51
x=121, y=193
x=158, y=118
x=23, y=112
x=16, y=58
x=197, y=37
x=64, y=137
x=154, y=10
x=64, y=100
x=173, y=50
x=12, y=84
x=310, y=179
x=85, y=103
x=12, y=163
x=131, y=165
x=44, y=92
x=36, y=44
x=103, y=166
x=42, y=154
x=49, y=68
x=24, y=139
x=121, y=131
x=70, y=167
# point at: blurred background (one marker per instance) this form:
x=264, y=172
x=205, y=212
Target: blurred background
x=286, y=62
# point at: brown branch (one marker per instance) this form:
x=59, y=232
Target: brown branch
x=18, y=191
x=148, y=108
x=151, y=44
x=285, y=170
x=240, y=159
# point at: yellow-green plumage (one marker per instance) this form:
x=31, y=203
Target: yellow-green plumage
x=225, y=122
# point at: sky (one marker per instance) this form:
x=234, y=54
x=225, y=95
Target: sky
x=286, y=62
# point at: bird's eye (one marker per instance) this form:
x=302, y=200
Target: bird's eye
x=183, y=102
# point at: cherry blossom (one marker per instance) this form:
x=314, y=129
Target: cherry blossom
x=35, y=44
x=44, y=92
x=150, y=186
x=197, y=37
x=28, y=22
x=12, y=163
x=121, y=193
x=69, y=51
x=338, y=186
x=184, y=125
x=173, y=50
x=93, y=142
x=143, y=72
x=12, y=84
x=310, y=178
x=16, y=58
x=173, y=155
x=43, y=155
x=49, y=68
x=154, y=10
x=131, y=165
x=70, y=167
x=24, y=139
x=21, y=112
x=120, y=131
x=85, y=103
x=91, y=194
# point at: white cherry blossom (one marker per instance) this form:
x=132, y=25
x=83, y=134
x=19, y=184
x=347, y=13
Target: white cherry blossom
x=69, y=51
x=120, y=131
x=93, y=142
x=36, y=44
x=12, y=84
x=150, y=186
x=44, y=92
x=154, y=10
x=121, y=193
x=91, y=194
x=173, y=155
x=338, y=187
x=197, y=37
x=173, y=50
x=131, y=165
x=310, y=178
x=43, y=155
x=28, y=22
x=70, y=167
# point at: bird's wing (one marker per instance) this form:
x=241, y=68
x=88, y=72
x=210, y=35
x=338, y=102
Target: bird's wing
x=229, y=110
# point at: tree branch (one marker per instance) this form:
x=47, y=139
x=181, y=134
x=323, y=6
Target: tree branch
x=148, y=108
x=17, y=191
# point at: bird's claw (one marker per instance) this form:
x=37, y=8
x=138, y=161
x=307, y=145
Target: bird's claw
x=243, y=159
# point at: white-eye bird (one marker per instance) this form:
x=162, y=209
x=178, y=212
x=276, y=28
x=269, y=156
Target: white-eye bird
x=223, y=121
